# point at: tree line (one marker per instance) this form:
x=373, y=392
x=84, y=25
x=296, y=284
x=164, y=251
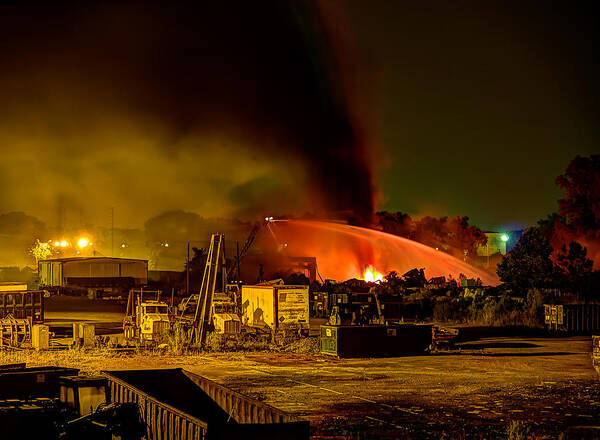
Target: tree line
x=563, y=250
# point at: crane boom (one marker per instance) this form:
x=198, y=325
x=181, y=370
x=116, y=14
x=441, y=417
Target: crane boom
x=213, y=280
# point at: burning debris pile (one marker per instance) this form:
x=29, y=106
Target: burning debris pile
x=344, y=252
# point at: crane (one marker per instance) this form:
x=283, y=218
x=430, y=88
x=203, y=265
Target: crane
x=213, y=281
x=246, y=247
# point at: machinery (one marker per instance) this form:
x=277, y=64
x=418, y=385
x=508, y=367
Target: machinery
x=145, y=319
x=215, y=307
x=234, y=270
x=14, y=332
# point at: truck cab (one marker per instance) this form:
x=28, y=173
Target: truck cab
x=145, y=319
x=152, y=318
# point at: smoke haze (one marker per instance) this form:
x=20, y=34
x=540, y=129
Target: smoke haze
x=217, y=109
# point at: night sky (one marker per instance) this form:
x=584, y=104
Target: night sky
x=479, y=105
x=251, y=108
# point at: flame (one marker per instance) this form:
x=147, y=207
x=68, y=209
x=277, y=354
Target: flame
x=372, y=276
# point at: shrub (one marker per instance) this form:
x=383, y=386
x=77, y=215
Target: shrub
x=517, y=430
x=534, y=307
x=177, y=338
x=215, y=342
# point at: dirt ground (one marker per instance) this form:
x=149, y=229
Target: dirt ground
x=471, y=392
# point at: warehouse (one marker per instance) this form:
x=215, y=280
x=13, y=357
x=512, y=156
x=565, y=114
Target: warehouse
x=95, y=274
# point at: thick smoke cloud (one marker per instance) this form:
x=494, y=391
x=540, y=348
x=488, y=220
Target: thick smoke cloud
x=220, y=108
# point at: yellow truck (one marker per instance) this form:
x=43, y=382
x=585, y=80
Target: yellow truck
x=276, y=307
x=146, y=320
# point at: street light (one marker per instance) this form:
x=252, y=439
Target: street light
x=83, y=242
x=504, y=237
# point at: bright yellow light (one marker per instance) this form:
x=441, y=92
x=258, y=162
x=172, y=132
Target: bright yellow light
x=83, y=242
x=372, y=276
x=63, y=243
x=57, y=243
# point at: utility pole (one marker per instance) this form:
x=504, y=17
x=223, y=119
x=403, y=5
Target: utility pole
x=237, y=260
x=187, y=271
x=112, y=231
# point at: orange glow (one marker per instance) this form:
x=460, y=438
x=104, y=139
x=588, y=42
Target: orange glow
x=372, y=276
x=344, y=252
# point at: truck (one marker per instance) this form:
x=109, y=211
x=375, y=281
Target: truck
x=145, y=319
x=276, y=308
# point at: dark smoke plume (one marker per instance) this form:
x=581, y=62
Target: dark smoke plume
x=223, y=108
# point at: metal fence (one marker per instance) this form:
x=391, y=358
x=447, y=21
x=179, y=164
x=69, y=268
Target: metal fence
x=572, y=318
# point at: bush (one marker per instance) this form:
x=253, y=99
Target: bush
x=474, y=307
x=177, y=338
x=443, y=310
x=216, y=342
x=534, y=306
x=518, y=431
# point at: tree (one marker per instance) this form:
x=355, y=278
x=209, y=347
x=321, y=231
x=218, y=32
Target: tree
x=573, y=262
x=464, y=237
x=400, y=224
x=456, y=236
x=573, y=268
x=433, y=232
x=41, y=250
x=580, y=209
x=581, y=206
x=17, y=233
x=197, y=265
x=528, y=265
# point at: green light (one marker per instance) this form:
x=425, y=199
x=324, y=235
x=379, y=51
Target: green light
x=504, y=237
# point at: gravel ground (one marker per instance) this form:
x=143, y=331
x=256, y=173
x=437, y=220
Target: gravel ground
x=472, y=392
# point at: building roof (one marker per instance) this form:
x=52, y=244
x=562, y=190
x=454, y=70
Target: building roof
x=95, y=259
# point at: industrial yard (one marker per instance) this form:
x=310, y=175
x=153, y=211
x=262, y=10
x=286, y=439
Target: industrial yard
x=477, y=389
x=339, y=362
x=296, y=220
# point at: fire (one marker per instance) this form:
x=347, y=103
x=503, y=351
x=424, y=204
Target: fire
x=372, y=276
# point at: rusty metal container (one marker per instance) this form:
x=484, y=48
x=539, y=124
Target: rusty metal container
x=276, y=306
x=375, y=340
x=25, y=304
x=175, y=403
x=572, y=318
x=34, y=382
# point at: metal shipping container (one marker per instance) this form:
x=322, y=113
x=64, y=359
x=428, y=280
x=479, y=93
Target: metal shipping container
x=375, y=340
x=9, y=286
x=572, y=318
x=91, y=271
x=27, y=304
x=275, y=306
x=178, y=404
x=26, y=383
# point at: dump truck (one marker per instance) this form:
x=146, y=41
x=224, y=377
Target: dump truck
x=276, y=307
x=145, y=319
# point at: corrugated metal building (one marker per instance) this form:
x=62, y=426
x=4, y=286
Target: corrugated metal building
x=93, y=272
